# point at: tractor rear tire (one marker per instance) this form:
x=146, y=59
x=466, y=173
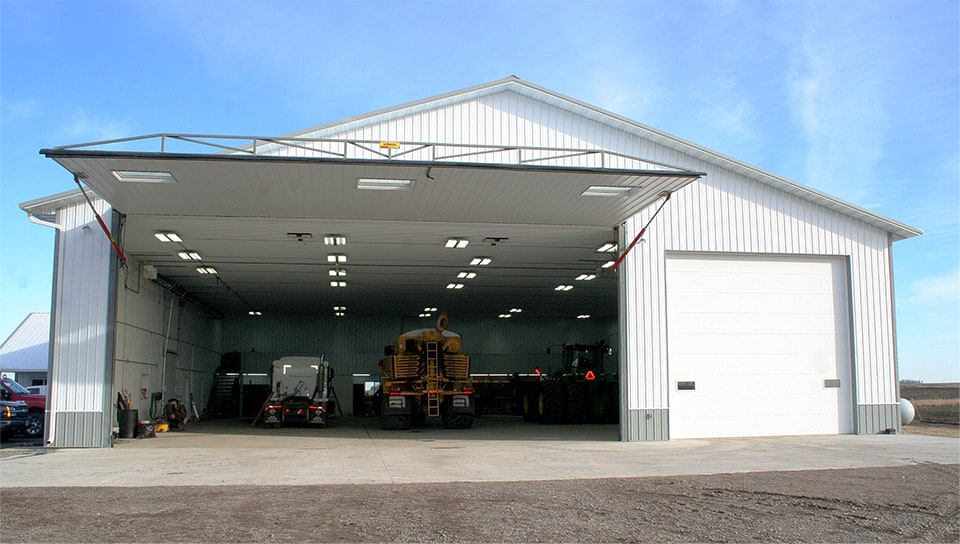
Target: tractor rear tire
x=552, y=399
x=576, y=407
x=395, y=423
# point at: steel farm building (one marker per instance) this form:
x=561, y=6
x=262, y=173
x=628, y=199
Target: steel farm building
x=751, y=306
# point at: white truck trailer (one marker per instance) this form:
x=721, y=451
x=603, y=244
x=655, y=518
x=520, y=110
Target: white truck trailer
x=301, y=392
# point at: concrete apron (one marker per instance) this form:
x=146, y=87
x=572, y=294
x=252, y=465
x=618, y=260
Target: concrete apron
x=356, y=451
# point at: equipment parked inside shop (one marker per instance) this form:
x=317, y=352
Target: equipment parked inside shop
x=425, y=375
x=301, y=393
x=580, y=391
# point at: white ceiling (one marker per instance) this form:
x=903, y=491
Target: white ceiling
x=237, y=213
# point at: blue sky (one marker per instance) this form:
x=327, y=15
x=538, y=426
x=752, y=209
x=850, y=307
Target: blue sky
x=857, y=99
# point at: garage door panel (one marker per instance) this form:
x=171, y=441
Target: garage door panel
x=726, y=324
x=757, y=303
x=756, y=338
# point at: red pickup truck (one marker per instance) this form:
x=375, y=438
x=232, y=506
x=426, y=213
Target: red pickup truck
x=37, y=404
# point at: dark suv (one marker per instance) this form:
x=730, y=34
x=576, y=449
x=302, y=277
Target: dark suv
x=36, y=405
x=13, y=418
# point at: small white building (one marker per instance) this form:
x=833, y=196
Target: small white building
x=752, y=306
x=24, y=355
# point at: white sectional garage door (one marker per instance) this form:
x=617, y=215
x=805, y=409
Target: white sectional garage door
x=758, y=346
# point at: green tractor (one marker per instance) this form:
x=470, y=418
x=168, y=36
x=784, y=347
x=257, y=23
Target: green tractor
x=581, y=391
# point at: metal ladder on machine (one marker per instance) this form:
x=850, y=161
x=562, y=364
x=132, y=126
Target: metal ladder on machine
x=433, y=379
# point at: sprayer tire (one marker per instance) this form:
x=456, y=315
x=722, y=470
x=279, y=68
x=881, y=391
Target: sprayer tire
x=395, y=423
x=457, y=421
x=530, y=403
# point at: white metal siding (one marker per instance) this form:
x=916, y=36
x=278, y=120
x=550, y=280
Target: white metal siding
x=81, y=331
x=728, y=213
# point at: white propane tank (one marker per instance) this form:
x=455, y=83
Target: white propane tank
x=907, y=411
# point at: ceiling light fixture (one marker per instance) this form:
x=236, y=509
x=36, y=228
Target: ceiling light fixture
x=563, y=288
x=608, y=247
x=583, y=316
x=336, y=258
x=143, y=176
x=167, y=237
x=254, y=312
x=480, y=261
x=467, y=275
x=608, y=264
x=516, y=310
x=334, y=240
x=454, y=286
x=336, y=283
x=206, y=270
x=429, y=309
x=377, y=184
x=456, y=243
x=608, y=190
x=425, y=314
x=505, y=316
x=586, y=277
x=339, y=308
x=190, y=256
x=337, y=272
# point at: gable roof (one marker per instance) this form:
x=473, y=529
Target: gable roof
x=27, y=347
x=898, y=230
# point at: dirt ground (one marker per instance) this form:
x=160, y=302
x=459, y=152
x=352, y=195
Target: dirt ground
x=919, y=503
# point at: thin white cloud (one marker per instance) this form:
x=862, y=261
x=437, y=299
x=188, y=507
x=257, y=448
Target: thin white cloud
x=935, y=291
x=83, y=126
x=727, y=110
x=17, y=110
x=839, y=101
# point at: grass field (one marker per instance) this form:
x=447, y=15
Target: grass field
x=937, y=403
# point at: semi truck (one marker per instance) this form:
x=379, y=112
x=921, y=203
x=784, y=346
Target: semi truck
x=424, y=375
x=300, y=392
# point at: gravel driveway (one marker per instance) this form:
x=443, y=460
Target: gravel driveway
x=897, y=504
